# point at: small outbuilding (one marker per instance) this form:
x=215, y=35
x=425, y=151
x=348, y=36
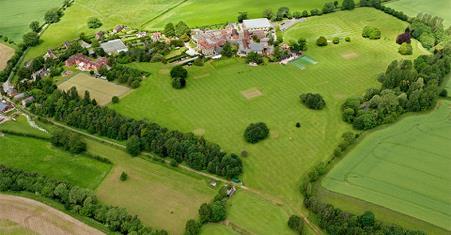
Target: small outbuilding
x=257, y=24
x=114, y=47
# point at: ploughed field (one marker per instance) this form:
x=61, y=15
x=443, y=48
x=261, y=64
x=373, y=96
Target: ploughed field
x=404, y=167
x=6, y=53
x=225, y=96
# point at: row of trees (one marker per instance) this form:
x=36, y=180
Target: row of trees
x=78, y=200
x=69, y=108
x=406, y=87
x=212, y=212
x=180, y=30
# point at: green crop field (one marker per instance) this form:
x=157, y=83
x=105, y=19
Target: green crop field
x=15, y=16
x=110, y=12
x=404, y=167
x=206, y=12
x=440, y=8
x=213, y=102
x=162, y=198
x=40, y=156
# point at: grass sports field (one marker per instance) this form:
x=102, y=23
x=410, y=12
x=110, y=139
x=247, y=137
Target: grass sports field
x=15, y=16
x=413, y=7
x=213, y=102
x=193, y=12
x=6, y=53
x=99, y=89
x=404, y=167
x=163, y=198
x=40, y=156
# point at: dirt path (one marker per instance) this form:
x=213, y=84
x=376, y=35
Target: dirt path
x=40, y=218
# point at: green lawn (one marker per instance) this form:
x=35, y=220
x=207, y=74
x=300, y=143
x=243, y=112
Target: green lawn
x=206, y=12
x=111, y=12
x=15, y=16
x=21, y=126
x=413, y=7
x=404, y=167
x=40, y=156
x=217, y=229
x=212, y=102
x=162, y=198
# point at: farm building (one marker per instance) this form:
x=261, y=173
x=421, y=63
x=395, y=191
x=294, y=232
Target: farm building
x=85, y=63
x=4, y=107
x=256, y=24
x=27, y=101
x=114, y=47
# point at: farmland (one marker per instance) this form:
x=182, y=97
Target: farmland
x=20, y=215
x=213, y=104
x=99, y=89
x=192, y=11
x=413, y=7
x=383, y=167
x=40, y=156
x=162, y=198
x=6, y=53
x=15, y=16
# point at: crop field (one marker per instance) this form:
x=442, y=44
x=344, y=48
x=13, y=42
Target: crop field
x=213, y=102
x=6, y=53
x=99, y=89
x=19, y=215
x=161, y=197
x=15, y=16
x=40, y=156
x=193, y=12
x=111, y=12
x=404, y=167
x=413, y=7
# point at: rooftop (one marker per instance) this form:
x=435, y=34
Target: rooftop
x=114, y=46
x=256, y=23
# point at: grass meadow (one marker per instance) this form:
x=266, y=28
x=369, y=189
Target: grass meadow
x=213, y=103
x=206, y=12
x=40, y=156
x=404, y=167
x=161, y=197
x=15, y=16
x=413, y=7
x=21, y=126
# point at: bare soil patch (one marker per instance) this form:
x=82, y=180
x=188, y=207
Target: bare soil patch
x=6, y=53
x=199, y=131
x=349, y=55
x=251, y=93
x=40, y=218
x=99, y=89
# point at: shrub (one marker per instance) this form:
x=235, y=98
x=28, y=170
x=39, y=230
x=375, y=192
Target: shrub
x=296, y=223
x=123, y=176
x=94, y=23
x=198, y=62
x=371, y=32
x=321, y=41
x=133, y=145
x=404, y=37
x=405, y=49
x=443, y=93
x=192, y=227
x=313, y=101
x=347, y=39
x=298, y=124
x=115, y=99
x=178, y=83
x=254, y=57
x=179, y=72
x=256, y=132
x=173, y=163
x=68, y=141
x=244, y=153
x=336, y=40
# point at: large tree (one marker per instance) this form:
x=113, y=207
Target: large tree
x=52, y=16
x=34, y=26
x=348, y=5
x=30, y=39
x=169, y=30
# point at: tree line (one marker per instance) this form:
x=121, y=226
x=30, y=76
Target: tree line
x=83, y=113
x=406, y=86
x=75, y=199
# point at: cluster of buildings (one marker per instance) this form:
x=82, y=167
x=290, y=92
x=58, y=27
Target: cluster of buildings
x=85, y=63
x=250, y=36
x=11, y=92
